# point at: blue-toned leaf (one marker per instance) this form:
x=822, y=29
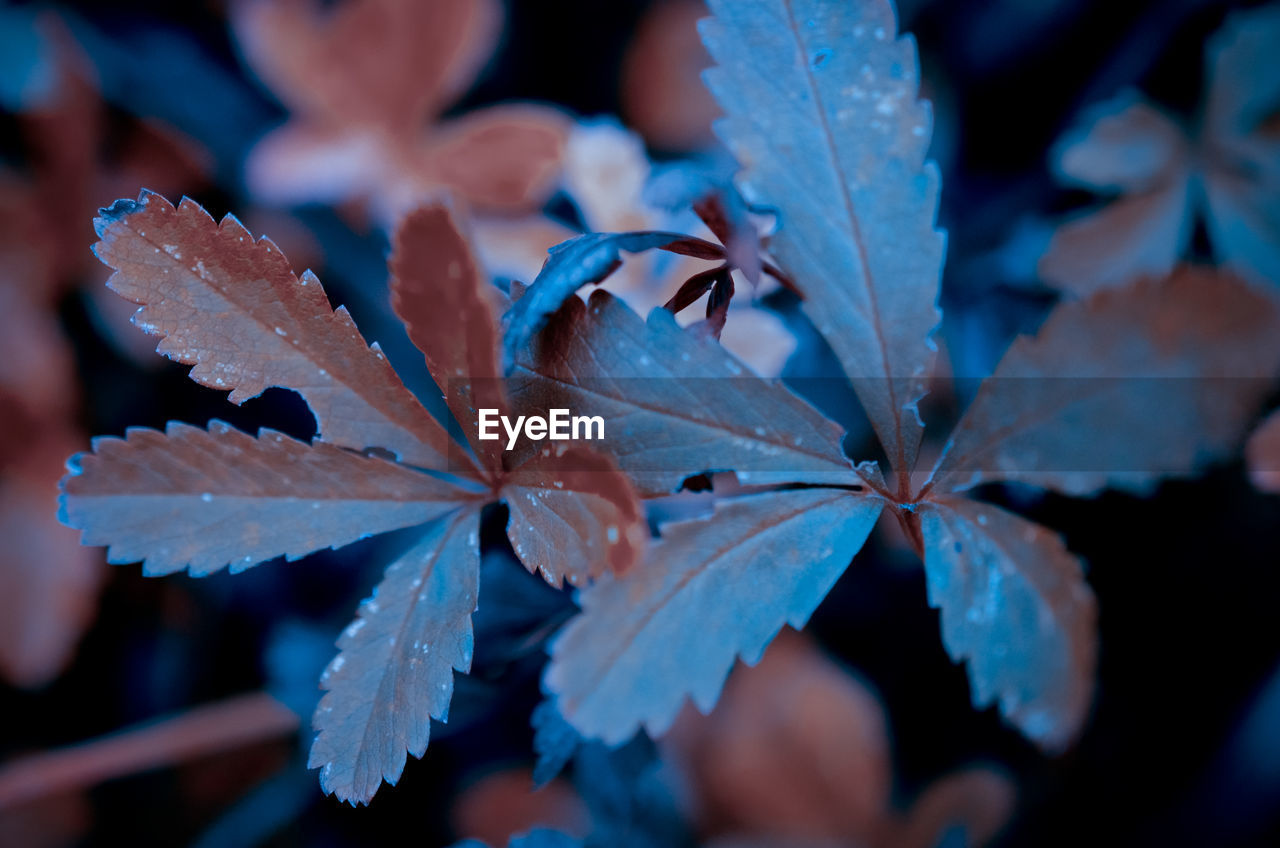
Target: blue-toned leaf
x=573, y=515
x=1226, y=170
x=1154, y=379
x=539, y=837
x=573, y=264
x=1242, y=172
x=629, y=795
x=1016, y=607
x=1137, y=235
x=394, y=669
x=709, y=591
x=676, y=404
x=542, y=837
x=822, y=113
x=202, y=500
x=1244, y=222
x=554, y=741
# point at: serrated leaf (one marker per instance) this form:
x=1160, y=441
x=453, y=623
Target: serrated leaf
x=822, y=113
x=709, y=591
x=441, y=295
x=202, y=500
x=1016, y=607
x=232, y=307
x=1132, y=385
x=394, y=669
x=583, y=260
x=541, y=837
x=573, y=515
x=676, y=404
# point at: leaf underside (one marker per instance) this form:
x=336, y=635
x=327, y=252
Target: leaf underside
x=394, y=669
x=1185, y=362
x=445, y=302
x=203, y=500
x=573, y=515
x=710, y=591
x=822, y=113
x=232, y=307
x=1016, y=607
x=676, y=404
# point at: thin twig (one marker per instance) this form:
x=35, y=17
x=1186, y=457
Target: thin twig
x=197, y=732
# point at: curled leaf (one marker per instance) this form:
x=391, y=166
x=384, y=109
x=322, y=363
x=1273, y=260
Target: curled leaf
x=581, y=261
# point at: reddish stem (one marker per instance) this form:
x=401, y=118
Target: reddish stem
x=199, y=731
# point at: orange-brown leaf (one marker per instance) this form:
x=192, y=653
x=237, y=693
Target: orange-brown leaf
x=387, y=63
x=573, y=515
x=796, y=748
x=1154, y=379
x=445, y=301
x=48, y=582
x=1016, y=607
x=232, y=307
x=504, y=158
x=187, y=498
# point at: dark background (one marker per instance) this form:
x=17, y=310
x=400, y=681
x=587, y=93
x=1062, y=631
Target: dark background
x=1184, y=746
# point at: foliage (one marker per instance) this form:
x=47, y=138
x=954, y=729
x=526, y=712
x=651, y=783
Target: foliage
x=1226, y=172
x=1014, y=602
x=780, y=353
x=189, y=498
